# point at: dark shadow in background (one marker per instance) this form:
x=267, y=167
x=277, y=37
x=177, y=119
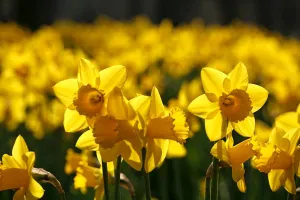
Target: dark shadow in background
x=276, y=15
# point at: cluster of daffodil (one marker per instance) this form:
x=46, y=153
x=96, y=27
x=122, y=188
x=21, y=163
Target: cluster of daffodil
x=30, y=61
x=138, y=130
x=120, y=123
x=228, y=104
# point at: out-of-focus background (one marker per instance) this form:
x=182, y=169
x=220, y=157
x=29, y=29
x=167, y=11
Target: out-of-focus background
x=178, y=178
x=276, y=15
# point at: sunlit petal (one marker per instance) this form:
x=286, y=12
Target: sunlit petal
x=19, y=149
x=241, y=184
x=202, y=107
x=112, y=77
x=88, y=74
x=176, y=150
x=86, y=141
x=11, y=162
x=35, y=189
x=246, y=127
x=116, y=105
x=156, y=153
x=20, y=195
x=276, y=179
x=66, y=91
x=287, y=121
x=219, y=150
x=157, y=108
x=132, y=153
x=217, y=128
x=212, y=80
x=73, y=121
x=239, y=77
x=289, y=184
x=258, y=96
x=293, y=137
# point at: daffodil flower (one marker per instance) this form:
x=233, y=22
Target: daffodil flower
x=234, y=156
x=280, y=159
x=158, y=127
x=86, y=96
x=116, y=133
x=289, y=120
x=228, y=103
x=15, y=172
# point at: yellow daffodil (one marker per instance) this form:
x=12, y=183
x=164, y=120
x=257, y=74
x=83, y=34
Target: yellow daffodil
x=288, y=120
x=228, y=103
x=15, y=172
x=116, y=133
x=280, y=159
x=234, y=156
x=87, y=95
x=158, y=127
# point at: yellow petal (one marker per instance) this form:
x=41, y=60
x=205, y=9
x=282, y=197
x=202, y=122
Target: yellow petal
x=241, y=184
x=176, y=150
x=30, y=157
x=35, y=189
x=19, y=149
x=246, y=127
x=112, y=77
x=293, y=137
x=87, y=142
x=235, y=155
x=132, y=153
x=258, y=96
x=276, y=179
x=289, y=184
x=157, y=108
x=156, y=153
x=287, y=121
x=88, y=74
x=110, y=154
x=11, y=162
x=73, y=121
x=239, y=77
x=219, y=151
x=212, y=80
x=141, y=104
x=66, y=91
x=202, y=107
x=217, y=128
x=116, y=105
x=238, y=172
x=276, y=138
x=20, y=195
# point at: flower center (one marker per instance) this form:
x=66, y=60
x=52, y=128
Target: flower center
x=235, y=106
x=89, y=101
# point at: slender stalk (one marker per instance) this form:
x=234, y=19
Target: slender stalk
x=146, y=176
x=207, y=188
x=117, y=179
x=105, y=180
x=214, y=181
x=290, y=196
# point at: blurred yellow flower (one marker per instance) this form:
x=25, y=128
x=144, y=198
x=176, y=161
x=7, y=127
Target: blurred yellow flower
x=15, y=172
x=228, y=103
x=87, y=95
x=280, y=159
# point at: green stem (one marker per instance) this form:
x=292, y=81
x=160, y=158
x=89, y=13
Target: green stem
x=207, y=188
x=105, y=180
x=117, y=179
x=290, y=196
x=214, y=181
x=146, y=176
